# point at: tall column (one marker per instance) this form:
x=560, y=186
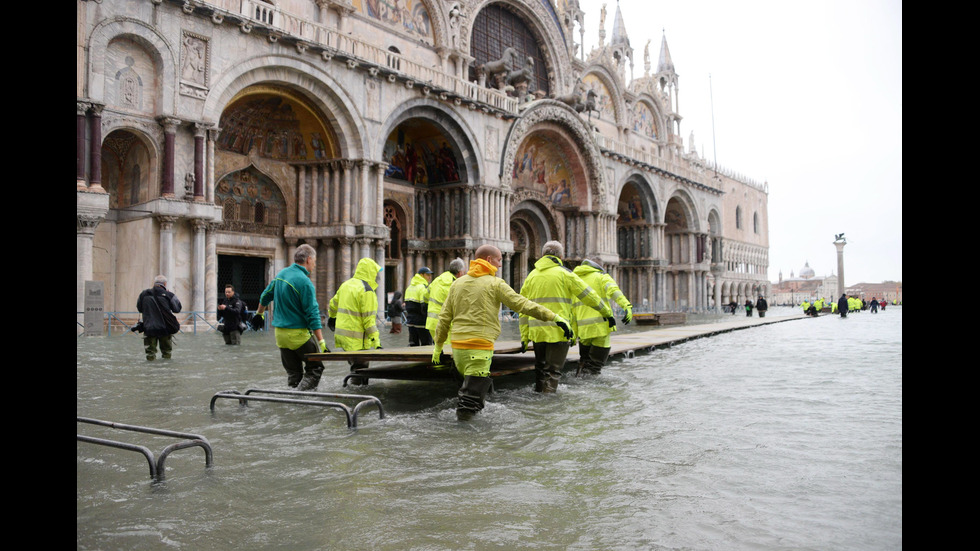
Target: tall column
x=335, y=170
x=315, y=200
x=212, y=137
x=379, y=213
x=345, y=195
x=95, y=148
x=169, y=136
x=211, y=271
x=167, y=260
x=199, y=133
x=366, y=196
x=467, y=213
x=80, y=109
x=839, y=243
x=346, y=267
x=301, y=194
x=84, y=238
x=198, y=269
x=481, y=214
x=331, y=262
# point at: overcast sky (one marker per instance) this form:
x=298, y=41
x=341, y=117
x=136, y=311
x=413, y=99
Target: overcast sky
x=807, y=97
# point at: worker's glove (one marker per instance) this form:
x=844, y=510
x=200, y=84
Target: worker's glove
x=523, y=347
x=323, y=346
x=332, y=324
x=611, y=321
x=437, y=356
x=628, y=316
x=563, y=324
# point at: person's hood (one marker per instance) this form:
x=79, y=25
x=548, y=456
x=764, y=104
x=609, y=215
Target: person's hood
x=547, y=262
x=583, y=269
x=480, y=267
x=397, y=295
x=419, y=279
x=367, y=270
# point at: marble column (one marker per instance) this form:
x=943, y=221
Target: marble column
x=300, y=172
x=84, y=238
x=345, y=195
x=367, y=199
x=169, y=136
x=213, y=133
x=315, y=200
x=379, y=182
x=200, y=131
x=330, y=261
x=80, y=109
x=346, y=267
x=95, y=148
x=211, y=271
x=167, y=261
x=198, y=270
x=379, y=257
x=335, y=173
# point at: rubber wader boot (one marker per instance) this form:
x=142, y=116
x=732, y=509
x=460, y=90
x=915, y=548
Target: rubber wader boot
x=597, y=359
x=472, y=395
x=357, y=381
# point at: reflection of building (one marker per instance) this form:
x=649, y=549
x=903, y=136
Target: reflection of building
x=807, y=286
x=215, y=136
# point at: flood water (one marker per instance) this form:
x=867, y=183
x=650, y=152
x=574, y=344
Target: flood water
x=786, y=436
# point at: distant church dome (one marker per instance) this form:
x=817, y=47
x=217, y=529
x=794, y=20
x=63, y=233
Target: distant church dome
x=807, y=272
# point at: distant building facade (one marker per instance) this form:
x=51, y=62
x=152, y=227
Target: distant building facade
x=804, y=287
x=213, y=137
x=890, y=291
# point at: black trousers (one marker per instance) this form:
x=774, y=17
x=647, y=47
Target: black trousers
x=293, y=360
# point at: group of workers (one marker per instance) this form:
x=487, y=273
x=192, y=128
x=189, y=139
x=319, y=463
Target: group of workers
x=842, y=306
x=555, y=304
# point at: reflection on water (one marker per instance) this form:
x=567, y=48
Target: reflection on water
x=787, y=436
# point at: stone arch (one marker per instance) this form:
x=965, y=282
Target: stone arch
x=163, y=54
x=558, y=119
x=543, y=23
x=396, y=220
x=715, y=232
x=659, y=122
x=449, y=122
x=302, y=77
x=130, y=167
x=637, y=214
x=531, y=225
x=611, y=84
x=253, y=202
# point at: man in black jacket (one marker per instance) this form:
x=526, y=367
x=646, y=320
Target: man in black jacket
x=232, y=311
x=158, y=306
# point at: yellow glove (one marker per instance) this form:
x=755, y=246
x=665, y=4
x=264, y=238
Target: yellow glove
x=323, y=346
x=437, y=356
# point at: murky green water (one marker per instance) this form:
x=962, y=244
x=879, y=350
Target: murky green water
x=787, y=436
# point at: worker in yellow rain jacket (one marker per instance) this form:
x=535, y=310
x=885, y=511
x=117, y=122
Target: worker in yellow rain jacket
x=439, y=290
x=472, y=313
x=353, y=313
x=416, y=303
x=592, y=330
x=554, y=286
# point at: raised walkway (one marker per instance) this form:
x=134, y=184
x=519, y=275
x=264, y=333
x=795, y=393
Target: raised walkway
x=414, y=363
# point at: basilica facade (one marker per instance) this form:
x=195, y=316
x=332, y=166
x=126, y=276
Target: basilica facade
x=215, y=136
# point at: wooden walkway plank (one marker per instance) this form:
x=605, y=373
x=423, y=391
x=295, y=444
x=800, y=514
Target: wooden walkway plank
x=413, y=363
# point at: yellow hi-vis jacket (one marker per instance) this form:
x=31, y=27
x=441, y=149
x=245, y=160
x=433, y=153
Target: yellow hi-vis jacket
x=555, y=287
x=356, y=308
x=438, y=291
x=472, y=309
x=587, y=323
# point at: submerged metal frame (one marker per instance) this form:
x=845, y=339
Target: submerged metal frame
x=351, y=413
x=157, y=468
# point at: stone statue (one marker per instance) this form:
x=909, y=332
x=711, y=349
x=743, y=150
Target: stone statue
x=501, y=67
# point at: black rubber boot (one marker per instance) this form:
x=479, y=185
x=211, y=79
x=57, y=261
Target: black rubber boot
x=472, y=396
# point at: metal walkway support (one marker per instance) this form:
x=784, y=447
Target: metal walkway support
x=156, y=465
x=351, y=413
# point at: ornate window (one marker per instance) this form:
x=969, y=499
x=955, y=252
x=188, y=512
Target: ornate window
x=494, y=30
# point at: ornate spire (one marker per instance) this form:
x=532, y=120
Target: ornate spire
x=619, y=29
x=666, y=64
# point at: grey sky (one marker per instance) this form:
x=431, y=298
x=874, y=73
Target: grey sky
x=807, y=97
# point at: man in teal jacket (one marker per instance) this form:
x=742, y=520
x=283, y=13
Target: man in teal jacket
x=299, y=330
